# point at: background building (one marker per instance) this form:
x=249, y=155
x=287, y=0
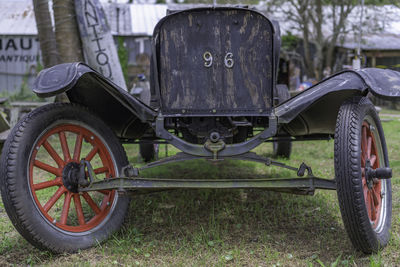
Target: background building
x=19, y=46
x=132, y=26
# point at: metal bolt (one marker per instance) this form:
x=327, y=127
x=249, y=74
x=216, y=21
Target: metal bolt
x=371, y=127
x=183, y=111
x=214, y=111
x=92, y=137
x=383, y=194
x=54, y=221
x=37, y=148
x=108, y=203
x=260, y=110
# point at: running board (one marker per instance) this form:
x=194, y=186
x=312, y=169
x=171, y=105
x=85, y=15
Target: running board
x=291, y=185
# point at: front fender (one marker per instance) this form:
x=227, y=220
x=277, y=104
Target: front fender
x=125, y=114
x=314, y=111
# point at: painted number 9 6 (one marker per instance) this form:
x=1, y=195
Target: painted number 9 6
x=209, y=60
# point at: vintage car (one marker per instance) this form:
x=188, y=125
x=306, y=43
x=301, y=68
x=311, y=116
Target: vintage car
x=65, y=178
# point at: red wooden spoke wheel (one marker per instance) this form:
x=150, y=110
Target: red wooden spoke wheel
x=372, y=188
x=64, y=195
x=39, y=166
x=365, y=202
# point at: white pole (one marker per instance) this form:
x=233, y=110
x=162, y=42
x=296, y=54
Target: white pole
x=360, y=29
x=357, y=59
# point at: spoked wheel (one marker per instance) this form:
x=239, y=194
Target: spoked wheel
x=365, y=202
x=374, y=192
x=44, y=178
x=39, y=186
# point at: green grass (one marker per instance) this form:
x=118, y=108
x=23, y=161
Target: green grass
x=389, y=111
x=227, y=227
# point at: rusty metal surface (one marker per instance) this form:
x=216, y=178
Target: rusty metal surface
x=229, y=149
x=196, y=77
x=249, y=156
x=132, y=182
x=308, y=184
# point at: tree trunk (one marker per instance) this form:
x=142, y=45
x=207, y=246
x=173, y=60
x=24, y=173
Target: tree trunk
x=304, y=20
x=309, y=64
x=67, y=33
x=319, y=40
x=46, y=35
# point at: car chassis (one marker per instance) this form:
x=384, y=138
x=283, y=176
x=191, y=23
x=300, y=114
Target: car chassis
x=210, y=89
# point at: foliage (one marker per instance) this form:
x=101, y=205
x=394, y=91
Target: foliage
x=322, y=24
x=289, y=41
x=39, y=66
x=310, y=16
x=24, y=94
x=123, y=56
x=381, y=2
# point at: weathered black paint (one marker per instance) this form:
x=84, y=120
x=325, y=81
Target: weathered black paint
x=314, y=111
x=188, y=87
x=189, y=84
x=125, y=114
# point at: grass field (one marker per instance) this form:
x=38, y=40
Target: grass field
x=228, y=227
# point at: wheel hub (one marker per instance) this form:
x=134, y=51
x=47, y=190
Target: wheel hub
x=70, y=176
x=372, y=176
x=369, y=179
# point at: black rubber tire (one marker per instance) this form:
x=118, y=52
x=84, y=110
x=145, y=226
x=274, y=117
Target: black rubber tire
x=15, y=188
x=281, y=149
x=147, y=151
x=349, y=178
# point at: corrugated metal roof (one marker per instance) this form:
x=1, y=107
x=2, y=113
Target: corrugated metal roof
x=380, y=31
x=382, y=41
x=145, y=18
x=17, y=18
x=133, y=19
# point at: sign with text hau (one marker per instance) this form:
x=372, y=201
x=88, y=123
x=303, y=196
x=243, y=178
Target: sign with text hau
x=19, y=57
